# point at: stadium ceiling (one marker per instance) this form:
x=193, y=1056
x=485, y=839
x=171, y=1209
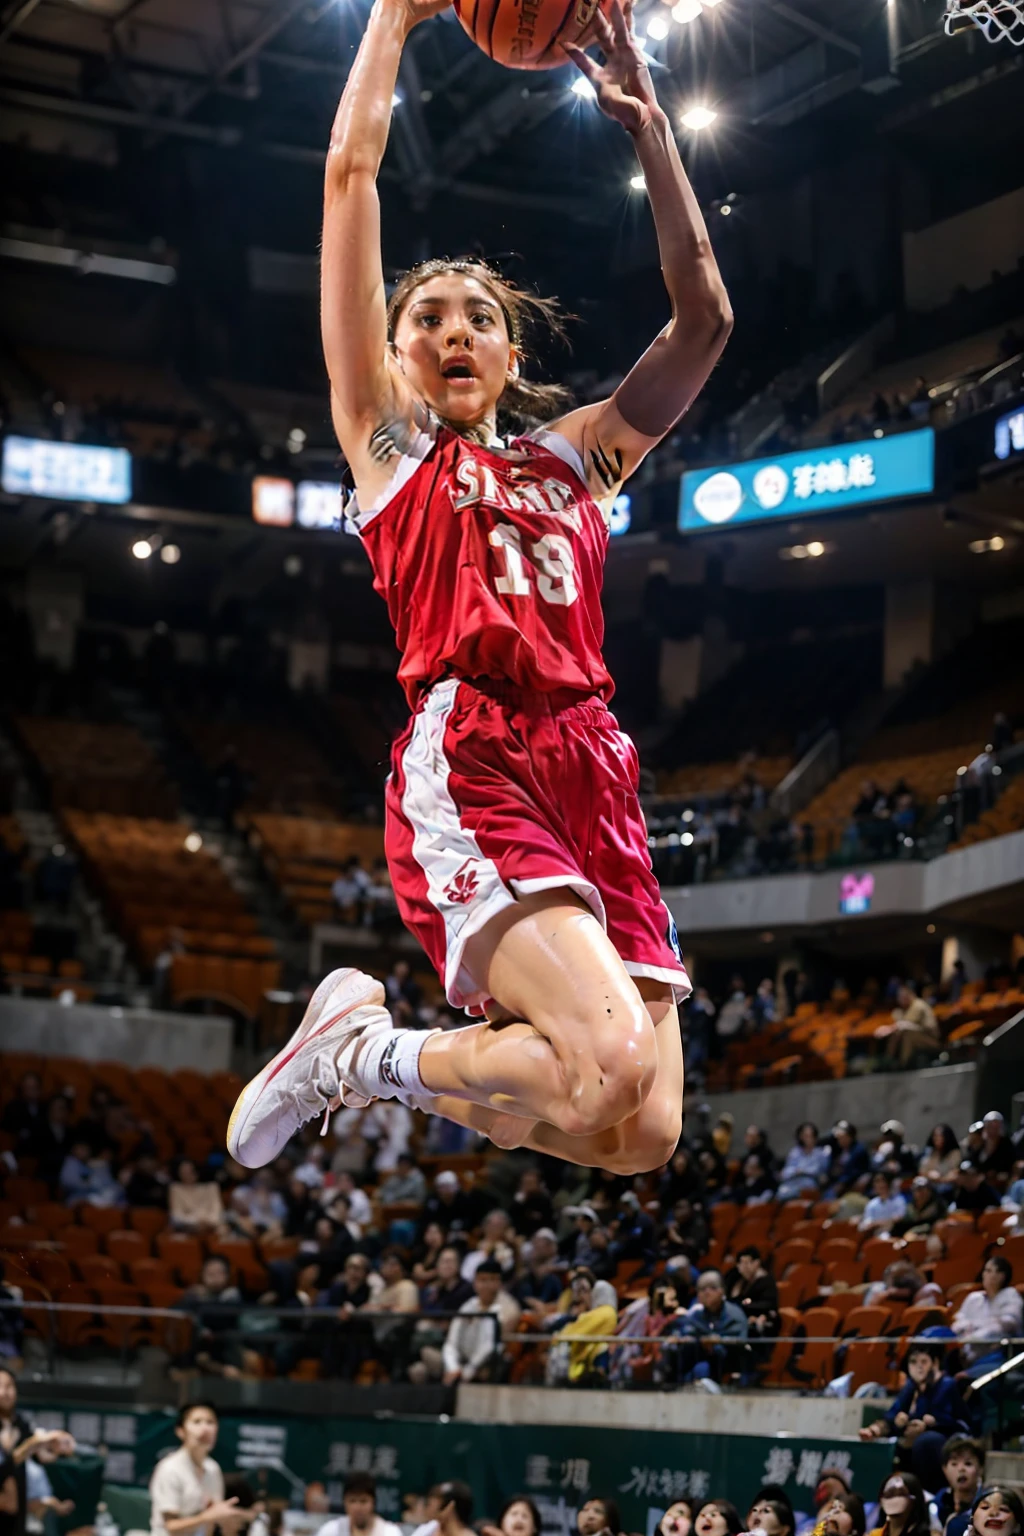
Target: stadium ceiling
x=80, y=77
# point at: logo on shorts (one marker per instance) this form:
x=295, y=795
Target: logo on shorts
x=463, y=885
x=672, y=937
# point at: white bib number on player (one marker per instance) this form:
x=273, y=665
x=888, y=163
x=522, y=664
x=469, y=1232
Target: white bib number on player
x=551, y=557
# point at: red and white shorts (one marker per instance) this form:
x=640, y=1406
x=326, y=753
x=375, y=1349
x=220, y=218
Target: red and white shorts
x=496, y=793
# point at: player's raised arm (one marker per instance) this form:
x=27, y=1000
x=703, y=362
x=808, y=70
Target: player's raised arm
x=353, y=312
x=615, y=434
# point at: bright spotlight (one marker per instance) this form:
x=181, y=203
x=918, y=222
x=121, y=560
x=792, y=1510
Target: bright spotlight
x=142, y=549
x=582, y=88
x=725, y=210
x=637, y=183
x=815, y=548
x=657, y=29
x=686, y=839
x=170, y=554
x=396, y=99
x=686, y=10
x=697, y=118
x=193, y=842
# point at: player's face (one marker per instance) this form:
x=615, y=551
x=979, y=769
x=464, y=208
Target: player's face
x=453, y=346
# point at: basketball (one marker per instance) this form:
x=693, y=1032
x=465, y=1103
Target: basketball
x=527, y=34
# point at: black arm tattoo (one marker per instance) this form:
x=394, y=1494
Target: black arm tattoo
x=395, y=436
x=608, y=470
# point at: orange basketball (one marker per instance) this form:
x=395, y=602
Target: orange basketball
x=525, y=34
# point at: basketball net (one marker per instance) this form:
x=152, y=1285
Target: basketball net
x=997, y=19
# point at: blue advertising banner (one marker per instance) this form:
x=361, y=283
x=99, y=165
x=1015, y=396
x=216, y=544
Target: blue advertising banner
x=65, y=471
x=828, y=479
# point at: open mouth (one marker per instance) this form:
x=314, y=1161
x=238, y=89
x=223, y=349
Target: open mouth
x=457, y=370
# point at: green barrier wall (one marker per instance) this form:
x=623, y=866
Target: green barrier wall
x=559, y=1467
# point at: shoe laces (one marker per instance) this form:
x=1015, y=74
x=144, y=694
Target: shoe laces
x=317, y=1094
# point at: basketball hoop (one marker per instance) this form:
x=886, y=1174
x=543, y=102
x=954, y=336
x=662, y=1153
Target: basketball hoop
x=997, y=19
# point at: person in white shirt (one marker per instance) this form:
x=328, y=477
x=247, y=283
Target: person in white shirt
x=359, y=1501
x=985, y=1317
x=358, y=1201
x=494, y=1244
x=472, y=1340
x=187, y=1487
x=884, y=1207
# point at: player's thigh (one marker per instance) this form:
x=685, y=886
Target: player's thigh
x=547, y=960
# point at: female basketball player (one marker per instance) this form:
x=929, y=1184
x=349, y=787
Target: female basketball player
x=515, y=839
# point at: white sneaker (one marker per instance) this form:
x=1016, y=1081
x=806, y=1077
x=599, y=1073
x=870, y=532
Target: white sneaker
x=302, y=1080
x=367, y=1073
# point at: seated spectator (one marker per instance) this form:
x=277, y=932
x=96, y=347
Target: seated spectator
x=359, y=1501
x=598, y=1515
x=448, y=1204
x=842, y=1515
x=996, y=1157
x=88, y=1180
x=632, y=1231
x=578, y=1247
x=257, y=1209
x=753, y=1184
x=985, y=1317
x=714, y=1174
x=755, y=1292
x=359, y=1210
x=328, y=1247
x=885, y=1206
x=350, y=889
x=146, y=1183
x=398, y=1296
x=709, y=1332
x=427, y=1252
x=586, y=1315
x=963, y=1467
x=903, y=1284
x=903, y=1507
x=581, y=1284
x=755, y=1142
x=734, y=1014
x=539, y=1286
x=685, y=1232
x=53, y=1139
x=531, y=1204
x=473, y=1346
x=193, y=1206
x=923, y=1415
x=850, y=1168
x=215, y=1302
x=448, y=1511
x=940, y=1158
x=773, y=1517
x=973, y=1192
x=806, y=1166
x=681, y=1180
x=24, y=1116
x=997, y=1511
x=406, y=1186
x=448, y=1291
x=496, y=1242
x=914, y=1028
x=926, y=1207
x=717, y=1517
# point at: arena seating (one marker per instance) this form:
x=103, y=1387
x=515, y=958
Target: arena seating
x=1007, y=815
x=303, y=856
x=816, y=1042
x=711, y=780
x=98, y=767
x=282, y=769
x=928, y=775
x=157, y=890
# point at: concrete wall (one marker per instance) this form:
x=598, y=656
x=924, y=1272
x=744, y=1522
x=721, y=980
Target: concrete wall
x=134, y=1036
x=783, y=901
x=963, y=250
x=757, y=1413
x=918, y=1099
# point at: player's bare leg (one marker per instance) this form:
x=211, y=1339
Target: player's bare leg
x=643, y=1141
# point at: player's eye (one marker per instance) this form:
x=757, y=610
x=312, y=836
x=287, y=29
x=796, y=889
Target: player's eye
x=482, y=318
x=429, y=320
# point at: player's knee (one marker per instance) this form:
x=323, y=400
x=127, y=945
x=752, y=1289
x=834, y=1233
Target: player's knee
x=610, y=1081
x=647, y=1141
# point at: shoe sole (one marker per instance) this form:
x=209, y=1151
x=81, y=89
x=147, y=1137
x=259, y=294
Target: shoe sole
x=249, y=1096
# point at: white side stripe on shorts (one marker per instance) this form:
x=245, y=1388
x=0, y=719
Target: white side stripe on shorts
x=464, y=887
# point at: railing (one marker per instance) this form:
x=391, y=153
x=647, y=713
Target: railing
x=268, y=1336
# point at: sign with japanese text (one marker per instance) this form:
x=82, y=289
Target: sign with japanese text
x=559, y=1467
x=800, y=484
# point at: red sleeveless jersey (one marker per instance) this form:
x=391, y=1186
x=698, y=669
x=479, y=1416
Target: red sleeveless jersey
x=491, y=563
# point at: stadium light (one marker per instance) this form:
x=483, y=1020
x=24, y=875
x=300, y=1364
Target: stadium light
x=697, y=118
x=657, y=29
x=193, y=842
x=638, y=183
x=815, y=548
x=582, y=88
x=142, y=549
x=686, y=10
x=396, y=99
x=170, y=554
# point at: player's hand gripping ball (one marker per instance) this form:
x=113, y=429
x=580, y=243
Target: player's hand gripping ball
x=529, y=34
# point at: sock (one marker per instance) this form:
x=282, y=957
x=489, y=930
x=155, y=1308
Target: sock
x=388, y=1065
